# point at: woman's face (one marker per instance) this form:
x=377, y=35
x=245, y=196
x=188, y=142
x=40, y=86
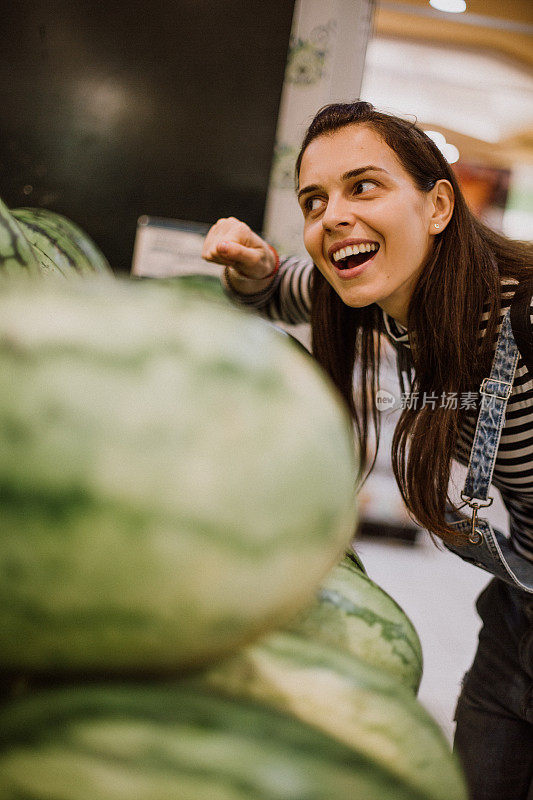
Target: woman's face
x=354, y=193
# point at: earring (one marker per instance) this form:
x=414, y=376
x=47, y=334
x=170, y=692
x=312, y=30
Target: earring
x=437, y=225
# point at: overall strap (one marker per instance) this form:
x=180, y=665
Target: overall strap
x=521, y=321
x=495, y=392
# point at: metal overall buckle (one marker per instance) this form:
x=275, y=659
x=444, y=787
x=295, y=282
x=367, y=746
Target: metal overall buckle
x=475, y=537
x=507, y=391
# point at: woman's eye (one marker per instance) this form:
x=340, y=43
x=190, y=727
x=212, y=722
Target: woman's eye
x=313, y=204
x=363, y=186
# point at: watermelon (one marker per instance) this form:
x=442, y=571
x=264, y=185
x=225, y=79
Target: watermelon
x=176, y=477
x=352, y=701
x=204, y=286
x=207, y=285
x=50, y=257
x=75, y=234
x=161, y=742
x=16, y=253
x=355, y=559
x=353, y=613
x=61, y=241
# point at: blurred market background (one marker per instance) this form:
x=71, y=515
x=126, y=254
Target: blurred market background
x=145, y=124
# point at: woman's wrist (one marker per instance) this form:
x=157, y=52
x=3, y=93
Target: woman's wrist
x=243, y=285
x=247, y=285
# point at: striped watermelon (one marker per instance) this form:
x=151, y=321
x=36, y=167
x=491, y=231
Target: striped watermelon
x=353, y=613
x=166, y=743
x=61, y=241
x=352, y=701
x=176, y=477
x=16, y=253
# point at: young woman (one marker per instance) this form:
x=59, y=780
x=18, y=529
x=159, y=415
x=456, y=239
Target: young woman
x=396, y=251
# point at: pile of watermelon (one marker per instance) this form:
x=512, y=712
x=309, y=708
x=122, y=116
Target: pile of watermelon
x=181, y=613
x=38, y=241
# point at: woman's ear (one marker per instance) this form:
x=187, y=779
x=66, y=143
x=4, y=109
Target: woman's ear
x=443, y=203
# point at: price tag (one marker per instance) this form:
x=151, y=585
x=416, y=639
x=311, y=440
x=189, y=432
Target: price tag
x=168, y=247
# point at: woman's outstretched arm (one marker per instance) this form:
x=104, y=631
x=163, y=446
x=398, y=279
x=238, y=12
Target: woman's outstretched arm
x=252, y=277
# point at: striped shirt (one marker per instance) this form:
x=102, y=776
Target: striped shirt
x=288, y=299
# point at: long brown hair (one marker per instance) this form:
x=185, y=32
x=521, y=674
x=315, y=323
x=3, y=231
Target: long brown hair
x=459, y=282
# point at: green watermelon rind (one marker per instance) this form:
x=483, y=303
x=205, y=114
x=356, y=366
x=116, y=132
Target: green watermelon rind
x=350, y=700
x=86, y=244
x=352, y=557
x=353, y=613
x=63, y=241
x=16, y=253
x=207, y=286
x=108, y=743
x=51, y=258
x=109, y=490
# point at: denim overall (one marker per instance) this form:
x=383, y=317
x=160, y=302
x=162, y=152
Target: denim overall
x=487, y=547
x=494, y=735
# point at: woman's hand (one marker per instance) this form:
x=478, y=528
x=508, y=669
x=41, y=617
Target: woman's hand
x=232, y=243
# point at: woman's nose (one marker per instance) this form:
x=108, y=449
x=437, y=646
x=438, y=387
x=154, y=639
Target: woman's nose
x=337, y=214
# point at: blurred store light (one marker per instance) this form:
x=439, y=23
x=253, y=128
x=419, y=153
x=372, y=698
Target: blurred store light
x=103, y=103
x=518, y=224
x=470, y=92
x=450, y=6
x=518, y=217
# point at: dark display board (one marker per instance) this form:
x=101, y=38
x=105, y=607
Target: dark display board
x=111, y=110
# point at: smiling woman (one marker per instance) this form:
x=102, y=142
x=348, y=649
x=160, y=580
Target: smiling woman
x=356, y=193
x=396, y=252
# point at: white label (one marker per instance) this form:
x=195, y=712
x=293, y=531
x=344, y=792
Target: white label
x=167, y=247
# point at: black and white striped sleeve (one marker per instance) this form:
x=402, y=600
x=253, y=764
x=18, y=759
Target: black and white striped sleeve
x=287, y=299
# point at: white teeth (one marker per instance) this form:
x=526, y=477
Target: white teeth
x=353, y=250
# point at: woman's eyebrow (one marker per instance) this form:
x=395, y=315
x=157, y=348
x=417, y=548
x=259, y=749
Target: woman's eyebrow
x=352, y=173
x=312, y=188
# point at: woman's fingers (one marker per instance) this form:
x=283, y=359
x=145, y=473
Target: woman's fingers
x=231, y=242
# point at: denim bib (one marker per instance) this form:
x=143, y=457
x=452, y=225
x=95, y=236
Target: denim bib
x=488, y=547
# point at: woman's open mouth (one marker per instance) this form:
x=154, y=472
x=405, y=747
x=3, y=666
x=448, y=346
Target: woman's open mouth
x=348, y=261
